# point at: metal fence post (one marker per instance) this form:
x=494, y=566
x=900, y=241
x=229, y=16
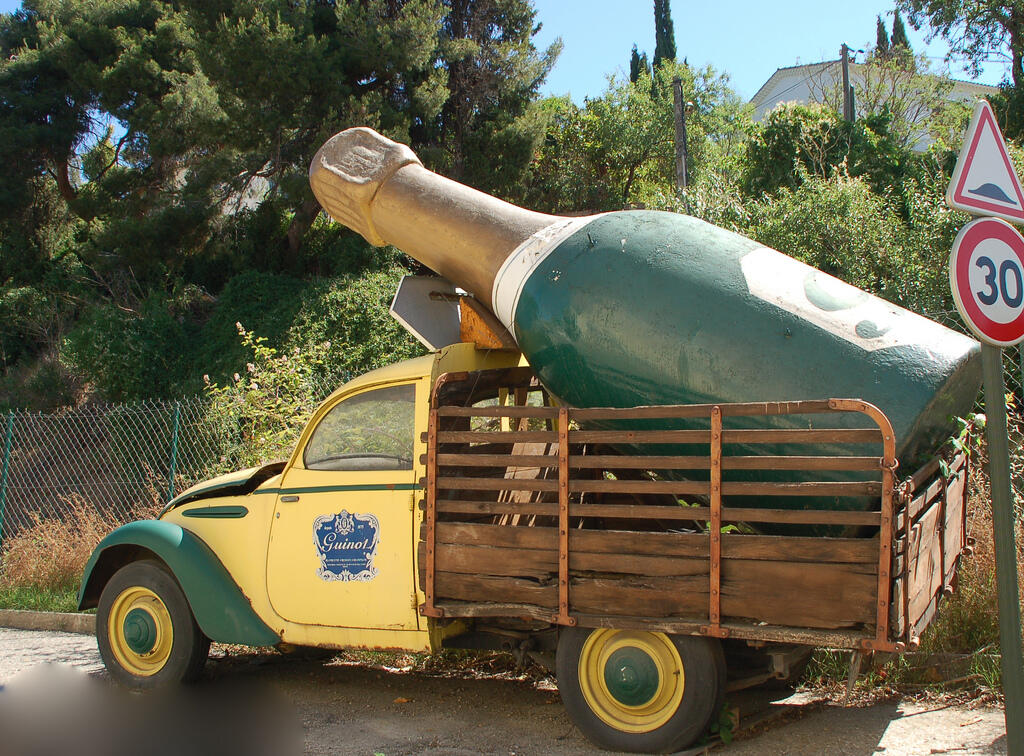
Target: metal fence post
x=8, y=440
x=174, y=450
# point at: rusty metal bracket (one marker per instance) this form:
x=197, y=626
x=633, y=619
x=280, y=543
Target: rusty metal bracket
x=715, y=525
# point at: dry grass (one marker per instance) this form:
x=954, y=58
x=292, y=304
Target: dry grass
x=51, y=553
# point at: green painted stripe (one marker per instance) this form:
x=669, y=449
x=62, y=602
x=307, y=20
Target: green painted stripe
x=230, y=511
x=354, y=487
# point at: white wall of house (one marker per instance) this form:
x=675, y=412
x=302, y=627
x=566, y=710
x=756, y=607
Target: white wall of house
x=821, y=82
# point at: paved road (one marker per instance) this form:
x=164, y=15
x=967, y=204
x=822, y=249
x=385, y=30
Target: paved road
x=347, y=709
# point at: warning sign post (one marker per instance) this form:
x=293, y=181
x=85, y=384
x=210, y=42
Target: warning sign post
x=986, y=274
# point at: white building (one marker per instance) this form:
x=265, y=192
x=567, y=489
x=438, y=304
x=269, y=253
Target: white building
x=822, y=83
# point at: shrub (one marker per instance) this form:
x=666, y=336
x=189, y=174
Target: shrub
x=133, y=354
x=351, y=313
x=261, y=411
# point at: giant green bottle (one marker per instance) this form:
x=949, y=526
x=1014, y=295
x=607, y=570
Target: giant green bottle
x=641, y=307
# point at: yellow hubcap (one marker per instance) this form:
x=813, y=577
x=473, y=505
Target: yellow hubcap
x=632, y=680
x=140, y=631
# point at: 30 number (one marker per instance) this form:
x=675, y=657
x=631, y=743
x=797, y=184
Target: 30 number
x=1000, y=288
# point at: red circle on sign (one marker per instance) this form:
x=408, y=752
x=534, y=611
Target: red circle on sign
x=970, y=236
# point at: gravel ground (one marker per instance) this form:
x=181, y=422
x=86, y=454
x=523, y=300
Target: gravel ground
x=350, y=709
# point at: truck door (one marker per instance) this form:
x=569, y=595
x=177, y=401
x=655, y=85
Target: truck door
x=341, y=542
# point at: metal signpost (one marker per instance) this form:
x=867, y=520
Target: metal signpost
x=986, y=273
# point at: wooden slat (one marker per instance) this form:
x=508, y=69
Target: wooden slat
x=828, y=596
x=450, y=585
x=498, y=460
x=868, y=488
x=799, y=463
x=639, y=437
x=509, y=411
x=624, y=462
x=507, y=437
x=802, y=436
x=799, y=516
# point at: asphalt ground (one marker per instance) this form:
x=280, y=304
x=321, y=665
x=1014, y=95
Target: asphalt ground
x=56, y=699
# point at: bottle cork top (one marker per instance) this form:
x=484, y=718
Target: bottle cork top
x=349, y=170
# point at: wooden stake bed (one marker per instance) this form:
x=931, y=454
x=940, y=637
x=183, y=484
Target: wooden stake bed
x=692, y=519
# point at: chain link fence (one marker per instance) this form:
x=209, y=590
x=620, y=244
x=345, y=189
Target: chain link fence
x=119, y=459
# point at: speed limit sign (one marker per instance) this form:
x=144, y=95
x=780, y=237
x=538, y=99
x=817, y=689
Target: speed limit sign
x=986, y=273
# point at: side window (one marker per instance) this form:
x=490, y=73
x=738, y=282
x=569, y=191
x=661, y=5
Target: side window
x=370, y=431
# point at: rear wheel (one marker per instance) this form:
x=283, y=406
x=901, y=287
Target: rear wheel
x=630, y=690
x=145, y=630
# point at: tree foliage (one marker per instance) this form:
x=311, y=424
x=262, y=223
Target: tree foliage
x=976, y=29
x=664, y=33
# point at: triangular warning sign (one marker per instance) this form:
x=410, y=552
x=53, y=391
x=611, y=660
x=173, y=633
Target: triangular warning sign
x=984, y=181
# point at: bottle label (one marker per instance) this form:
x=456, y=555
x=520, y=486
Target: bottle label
x=843, y=310
x=524, y=260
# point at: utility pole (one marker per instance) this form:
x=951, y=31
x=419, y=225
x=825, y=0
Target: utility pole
x=680, y=117
x=847, y=92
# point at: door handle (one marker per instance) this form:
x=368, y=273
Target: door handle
x=289, y=499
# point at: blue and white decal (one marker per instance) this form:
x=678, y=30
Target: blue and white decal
x=347, y=545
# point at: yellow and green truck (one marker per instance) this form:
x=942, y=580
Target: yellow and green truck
x=449, y=501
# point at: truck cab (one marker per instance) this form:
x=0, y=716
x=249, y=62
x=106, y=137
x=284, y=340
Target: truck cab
x=319, y=550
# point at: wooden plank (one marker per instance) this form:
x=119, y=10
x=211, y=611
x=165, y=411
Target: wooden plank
x=642, y=596
x=507, y=437
x=802, y=436
x=624, y=462
x=867, y=488
x=788, y=593
x=513, y=461
x=450, y=585
x=507, y=411
x=800, y=549
x=491, y=560
x=799, y=463
x=639, y=437
x=799, y=516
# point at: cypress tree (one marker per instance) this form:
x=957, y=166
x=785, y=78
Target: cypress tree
x=664, y=34
x=899, y=34
x=634, y=66
x=881, y=39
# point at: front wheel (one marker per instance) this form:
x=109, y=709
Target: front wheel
x=145, y=630
x=631, y=690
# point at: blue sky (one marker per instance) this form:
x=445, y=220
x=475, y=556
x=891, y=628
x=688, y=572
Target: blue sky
x=748, y=40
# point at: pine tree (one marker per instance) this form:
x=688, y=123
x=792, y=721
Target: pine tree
x=638, y=64
x=899, y=33
x=664, y=34
x=881, y=39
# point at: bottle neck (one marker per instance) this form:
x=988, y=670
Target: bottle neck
x=459, y=232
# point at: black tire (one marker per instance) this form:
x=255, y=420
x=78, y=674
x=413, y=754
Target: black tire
x=145, y=630
x=623, y=708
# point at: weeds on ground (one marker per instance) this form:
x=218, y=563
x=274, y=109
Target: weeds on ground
x=42, y=564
